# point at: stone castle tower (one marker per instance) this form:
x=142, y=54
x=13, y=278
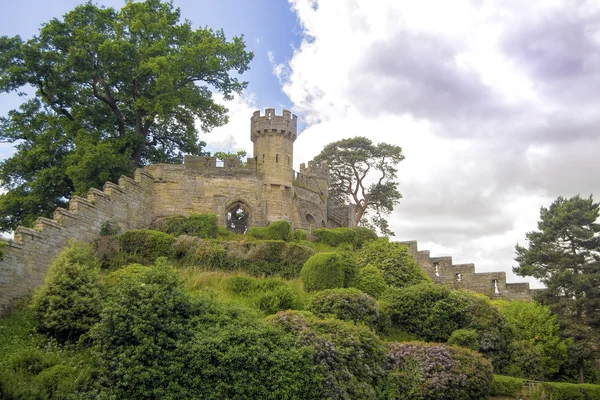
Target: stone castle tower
x=273, y=137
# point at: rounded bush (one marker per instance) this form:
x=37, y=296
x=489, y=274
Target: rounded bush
x=68, y=304
x=465, y=338
x=336, y=236
x=370, y=280
x=299, y=234
x=397, y=265
x=351, y=354
x=147, y=244
x=427, y=311
x=323, y=271
x=363, y=235
x=436, y=371
x=345, y=304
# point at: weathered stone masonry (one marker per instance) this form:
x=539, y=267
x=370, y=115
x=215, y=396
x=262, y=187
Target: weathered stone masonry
x=26, y=258
x=463, y=276
x=267, y=188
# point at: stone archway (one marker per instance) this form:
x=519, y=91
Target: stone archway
x=237, y=218
x=311, y=220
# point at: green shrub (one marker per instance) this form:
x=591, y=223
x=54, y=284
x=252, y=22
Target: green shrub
x=143, y=336
x=223, y=232
x=294, y=257
x=466, y=338
x=147, y=244
x=240, y=285
x=131, y=274
x=275, y=299
x=258, y=232
x=370, y=280
x=201, y=225
x=397, y=265
x=346, y=304
x=539, y=350
x=336, y=236
x=506, y=386
x=350, y=354
x=299, y=234
x=57, y=381
x=109, y=228
x=436, y=371
x=364, y=234
x=278, y=230
x=68, y=303
x=563, y=391
x=323, y=271
x=349, y=267
x=426, y=310
x=229, y=360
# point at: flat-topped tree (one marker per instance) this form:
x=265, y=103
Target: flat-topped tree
x=364, y=174
x=115, y=90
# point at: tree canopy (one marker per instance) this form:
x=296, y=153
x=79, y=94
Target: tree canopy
x=565, y=255
x=364, y=174
x=114, y=90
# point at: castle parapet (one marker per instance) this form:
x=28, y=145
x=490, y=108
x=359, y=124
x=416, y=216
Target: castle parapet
x=210, y=166
x=286, y=124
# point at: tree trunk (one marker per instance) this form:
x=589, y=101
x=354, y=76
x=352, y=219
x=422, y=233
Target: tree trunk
x=581, y=365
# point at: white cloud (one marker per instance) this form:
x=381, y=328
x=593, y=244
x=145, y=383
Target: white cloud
x=490, y=134
x=235, y=135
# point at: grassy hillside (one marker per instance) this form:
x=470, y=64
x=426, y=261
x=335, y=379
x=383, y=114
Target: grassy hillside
x=193, y=311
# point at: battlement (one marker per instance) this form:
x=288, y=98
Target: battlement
x=315, y=170
x=127, y=204
x=270, y=124
x=209, y=165
x=463, y=276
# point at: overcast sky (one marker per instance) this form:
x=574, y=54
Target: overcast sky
x=495, y=103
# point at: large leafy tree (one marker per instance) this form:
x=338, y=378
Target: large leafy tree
x=364, y=174
x=565, y=255
x=114, y=90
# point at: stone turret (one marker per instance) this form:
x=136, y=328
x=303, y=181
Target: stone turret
x=273, y=137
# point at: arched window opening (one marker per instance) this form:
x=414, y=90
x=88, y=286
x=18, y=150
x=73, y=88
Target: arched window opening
x=237, y=219
x=437, y=269
x=311, y=220
x=458, y=277
x=495, y=284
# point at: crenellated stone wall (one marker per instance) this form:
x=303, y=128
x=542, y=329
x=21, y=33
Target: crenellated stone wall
x=28, y=255
x=463, y=276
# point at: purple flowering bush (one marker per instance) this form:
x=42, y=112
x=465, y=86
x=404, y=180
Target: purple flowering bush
x=436, y=371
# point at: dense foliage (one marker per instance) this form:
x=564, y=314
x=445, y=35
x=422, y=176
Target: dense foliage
x=278, y=230
x=68, y=304
x=393, y=259
x=192, y=325
x=435, y=371
x=114, y=90
x=565, y=255
x=323, y=271
x=346, y=304
x=201, y=225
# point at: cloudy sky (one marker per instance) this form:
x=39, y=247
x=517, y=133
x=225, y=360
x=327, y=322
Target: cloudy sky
x=495, y=103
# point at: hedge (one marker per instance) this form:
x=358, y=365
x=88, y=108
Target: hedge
x=371, y=281
x=571, y=391
x=278, y=230
x=323, y=271
x=201, y=225
x=147, y=244
x=363, y=235
x=506, y=386
x=335, y=237
x=346, y=304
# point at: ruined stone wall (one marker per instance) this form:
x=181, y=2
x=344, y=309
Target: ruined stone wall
x=27, y=257
x=311, y=208
x=463, y=276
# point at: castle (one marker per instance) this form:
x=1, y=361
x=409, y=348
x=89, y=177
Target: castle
x=263, y=190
